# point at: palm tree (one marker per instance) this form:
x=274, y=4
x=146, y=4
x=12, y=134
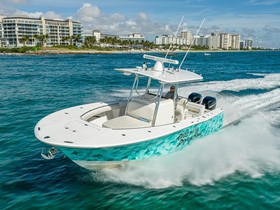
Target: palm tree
x=89, y=41
x=42, y=38
x=66, y=38
x=76, y=38
x=24, y=39
x=36, y=38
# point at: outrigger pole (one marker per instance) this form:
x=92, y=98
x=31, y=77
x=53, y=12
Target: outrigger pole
x=191, y=43
x=179, y=26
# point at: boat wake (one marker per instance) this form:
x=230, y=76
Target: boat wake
x=249, y=144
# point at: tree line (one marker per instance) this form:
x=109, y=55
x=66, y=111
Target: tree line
x=88, y=42
x=41, y=39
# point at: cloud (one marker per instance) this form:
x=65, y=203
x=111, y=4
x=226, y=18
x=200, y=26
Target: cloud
x=269, y=36
x=257, y=24
x=52, y=15
x=28, y=14
x=131, y=23
x=143, y=16
x=93, y=18
x=206, y=30
x=18, y=1
x=248, y=32
x=88, y=13
x=264, y=2
x=270, y=29
x=48, y=14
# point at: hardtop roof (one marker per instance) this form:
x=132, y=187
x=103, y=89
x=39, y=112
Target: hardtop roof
x=162, y=74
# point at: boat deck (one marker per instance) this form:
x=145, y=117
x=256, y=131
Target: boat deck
x=67, y=128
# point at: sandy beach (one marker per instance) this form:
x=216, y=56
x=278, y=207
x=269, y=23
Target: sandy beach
x=46, y=51
x=66, y=51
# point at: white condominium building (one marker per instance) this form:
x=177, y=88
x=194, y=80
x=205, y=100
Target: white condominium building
x=235, y=41
x=187, y=35
x=229, y=41
x=15, y=28
x=133, y=37
x=1, y=31
x=214, y=41
x=225, y=41
x=170, y=39
x=248, y=44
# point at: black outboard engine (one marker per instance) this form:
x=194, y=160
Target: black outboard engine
x=195, y=98
x=209, y=102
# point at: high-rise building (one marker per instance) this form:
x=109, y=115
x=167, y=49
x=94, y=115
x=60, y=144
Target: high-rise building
x=219, y=41
x=202, y=41
x=97, y=35
x=248, y=44
x=214, y=41
x=170, y=39
x=235, y=42
x=165, y=39
x=241, y=44
x=1, y=32
x=188, y=36
x=158, y=40
x=15, y=28
x=225, y=41
x=133, y=37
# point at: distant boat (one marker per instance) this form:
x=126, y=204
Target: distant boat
x=207, y=54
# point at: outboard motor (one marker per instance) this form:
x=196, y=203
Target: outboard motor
x=195, y=98
x=209, y=102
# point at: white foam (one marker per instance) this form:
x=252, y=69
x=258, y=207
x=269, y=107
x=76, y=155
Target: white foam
x=269, y=81
x=236, y=107
x=251, y=147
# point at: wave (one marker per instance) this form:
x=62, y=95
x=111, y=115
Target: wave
x=265, y=82
x=251, y=147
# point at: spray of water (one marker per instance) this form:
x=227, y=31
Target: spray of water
x=251, y=147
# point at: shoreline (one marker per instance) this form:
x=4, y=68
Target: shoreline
x=68, y=51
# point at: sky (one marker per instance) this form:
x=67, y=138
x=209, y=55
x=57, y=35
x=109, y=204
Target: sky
x=258, y=20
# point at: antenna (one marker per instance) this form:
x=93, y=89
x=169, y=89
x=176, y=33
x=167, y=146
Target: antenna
x=159, y=62
x=179, y=26
x=191, y=43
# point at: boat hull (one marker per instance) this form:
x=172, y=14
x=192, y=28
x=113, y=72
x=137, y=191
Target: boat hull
x=98, y=158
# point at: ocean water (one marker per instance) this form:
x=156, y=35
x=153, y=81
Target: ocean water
x=237, y=168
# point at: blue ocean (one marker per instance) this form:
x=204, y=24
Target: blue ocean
x=236, y=168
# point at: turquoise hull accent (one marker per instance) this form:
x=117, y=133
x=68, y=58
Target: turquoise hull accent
x=156, y=147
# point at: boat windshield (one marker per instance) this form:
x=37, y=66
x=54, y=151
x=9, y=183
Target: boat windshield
x=145, y=85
